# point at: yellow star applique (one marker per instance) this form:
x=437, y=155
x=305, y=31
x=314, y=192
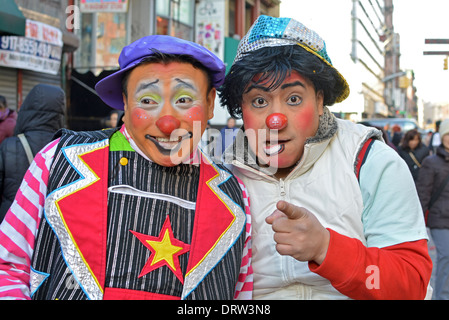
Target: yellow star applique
x=165, y=250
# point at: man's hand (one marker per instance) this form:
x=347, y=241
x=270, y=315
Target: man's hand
x=298, y=233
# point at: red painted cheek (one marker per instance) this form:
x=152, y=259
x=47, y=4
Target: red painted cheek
x=140, y=118
x=305, y=119
x=250, y=121
x=194, y=114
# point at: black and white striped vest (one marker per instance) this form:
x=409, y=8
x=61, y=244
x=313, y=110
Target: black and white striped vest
x=108, y=211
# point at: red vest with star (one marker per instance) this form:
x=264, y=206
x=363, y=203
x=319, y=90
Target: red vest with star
x=110, y=230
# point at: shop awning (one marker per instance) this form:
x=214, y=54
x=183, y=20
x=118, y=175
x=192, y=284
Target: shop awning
x=12, y=21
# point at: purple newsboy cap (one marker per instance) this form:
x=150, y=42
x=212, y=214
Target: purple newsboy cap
x=110, y=88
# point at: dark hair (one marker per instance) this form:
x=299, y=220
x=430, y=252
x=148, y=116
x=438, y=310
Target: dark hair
x=410, y=135
x=275, y=64
x=165, y=58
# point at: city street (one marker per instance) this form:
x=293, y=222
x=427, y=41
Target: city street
x=223, y=150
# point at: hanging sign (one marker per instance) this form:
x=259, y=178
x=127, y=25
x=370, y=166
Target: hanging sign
x=210, y=25
x=104, y=5
x=40, y=50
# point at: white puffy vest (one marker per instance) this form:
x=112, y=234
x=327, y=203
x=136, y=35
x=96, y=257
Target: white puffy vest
x=324, y=182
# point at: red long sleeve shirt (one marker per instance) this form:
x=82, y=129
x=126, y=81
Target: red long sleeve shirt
x=361, y=272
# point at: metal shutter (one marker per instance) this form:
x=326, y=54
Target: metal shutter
x=8, y=86
x=32, y=78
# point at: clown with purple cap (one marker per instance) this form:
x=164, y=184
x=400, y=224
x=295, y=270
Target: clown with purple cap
x=136, y=212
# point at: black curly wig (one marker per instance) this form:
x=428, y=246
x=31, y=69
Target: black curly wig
x=275, y=64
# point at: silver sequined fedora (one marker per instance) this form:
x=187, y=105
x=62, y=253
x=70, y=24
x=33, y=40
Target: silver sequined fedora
x=271, y=32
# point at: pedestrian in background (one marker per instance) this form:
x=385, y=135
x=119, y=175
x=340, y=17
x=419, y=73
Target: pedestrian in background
x=41, y=115
x=397, y=135
x=8, y=119
x=114, y=119
x=413, y=151
x=228, y=133
x=433, y=191
x=435, y=139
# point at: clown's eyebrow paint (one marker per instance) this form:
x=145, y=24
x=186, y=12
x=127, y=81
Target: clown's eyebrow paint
x=293, y=84
x=146, y=85
x=182, y=83
x=267, y=89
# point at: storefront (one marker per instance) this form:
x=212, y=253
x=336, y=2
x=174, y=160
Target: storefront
x=105, y=27
x=12, y=21
x=28, y=60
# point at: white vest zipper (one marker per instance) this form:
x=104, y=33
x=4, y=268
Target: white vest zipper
x=282, y=188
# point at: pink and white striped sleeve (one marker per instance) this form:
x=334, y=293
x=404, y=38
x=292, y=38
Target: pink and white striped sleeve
x=244, y=287
x=19, y=227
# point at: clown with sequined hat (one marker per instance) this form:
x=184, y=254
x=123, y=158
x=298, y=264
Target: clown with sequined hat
x=335, y=213
x=136, y=212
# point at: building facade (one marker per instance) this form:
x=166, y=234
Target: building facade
x=105, y=29
x=89, y=35
x=388, y=91
x=39, y=54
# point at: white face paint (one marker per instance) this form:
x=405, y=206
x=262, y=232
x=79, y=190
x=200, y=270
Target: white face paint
x=165, y=103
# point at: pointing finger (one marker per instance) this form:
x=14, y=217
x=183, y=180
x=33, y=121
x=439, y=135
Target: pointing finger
x=274, y=216
x=291, y=211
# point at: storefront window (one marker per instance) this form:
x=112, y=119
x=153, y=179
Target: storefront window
x=109, y=31
x=83, y=56
x=175, y=18
x=111, y=38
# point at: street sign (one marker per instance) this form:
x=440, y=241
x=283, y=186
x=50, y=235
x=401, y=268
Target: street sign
x=436, y=53
x=436, y=41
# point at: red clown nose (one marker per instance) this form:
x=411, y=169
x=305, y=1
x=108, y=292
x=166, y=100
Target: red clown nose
x=167, y=124
x=276, y=121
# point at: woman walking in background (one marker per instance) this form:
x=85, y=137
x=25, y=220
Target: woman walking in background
x=40, y=116
x=413, y=151
x=433, y=191
x=8, y=119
